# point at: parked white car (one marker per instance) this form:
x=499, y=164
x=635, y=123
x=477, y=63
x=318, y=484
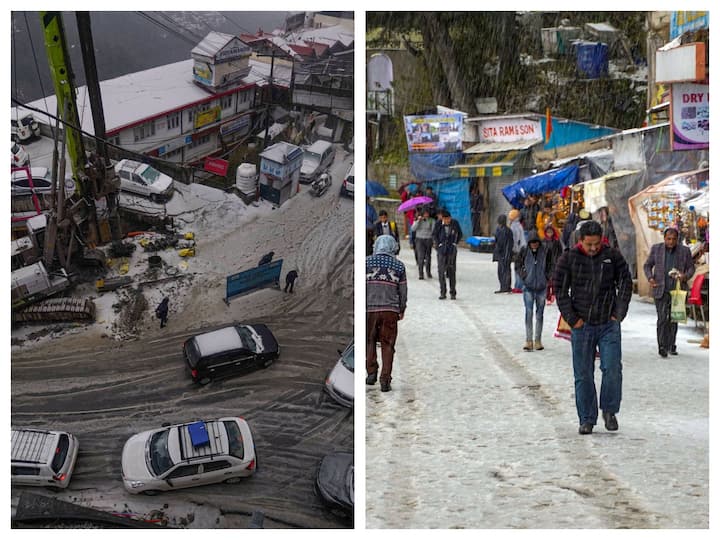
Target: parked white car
x=186, y=455
x=42, y=458
x=340, y=382
x=142, y=179
x=41, y=182
x=18, y=155
x=348, y=184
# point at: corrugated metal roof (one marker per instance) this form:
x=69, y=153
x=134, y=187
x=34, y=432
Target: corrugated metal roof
x=487, y=148
x=212, y=44
x=561, y=161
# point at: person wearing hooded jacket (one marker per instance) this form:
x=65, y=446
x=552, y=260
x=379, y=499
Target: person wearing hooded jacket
x=594, y=287
x=386, y=299
x=502, y=254
x=534, y=268
x=519, y=240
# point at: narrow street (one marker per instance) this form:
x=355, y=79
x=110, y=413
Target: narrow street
x=473, y=415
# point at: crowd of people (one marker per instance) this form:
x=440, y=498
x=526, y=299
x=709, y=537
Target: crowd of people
x=580, y=267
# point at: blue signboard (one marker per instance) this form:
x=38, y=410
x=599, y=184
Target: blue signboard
x=261, y=276
x=685, y=21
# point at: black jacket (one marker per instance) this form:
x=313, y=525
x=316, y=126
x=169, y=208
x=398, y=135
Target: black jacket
x=503, y=244
x=446, y=243
x=593, y=289
x=534, y=268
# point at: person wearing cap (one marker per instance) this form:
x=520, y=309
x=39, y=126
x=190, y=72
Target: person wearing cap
x=519, y=241
x=667, y=262
x=386, y=300
x=593, y=286
x=446, y=236
x=534, y=268
x=583, y=216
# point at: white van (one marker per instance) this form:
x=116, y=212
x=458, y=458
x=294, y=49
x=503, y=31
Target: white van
x=316, y=158
x=24, y=129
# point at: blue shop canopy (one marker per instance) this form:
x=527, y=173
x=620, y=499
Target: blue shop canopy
x=552, y=180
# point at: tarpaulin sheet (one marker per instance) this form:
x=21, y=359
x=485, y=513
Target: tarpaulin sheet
x=552, y=180
x=426, y=167
x=454, y=196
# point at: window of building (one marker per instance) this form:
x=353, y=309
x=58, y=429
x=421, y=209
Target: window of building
x=243, y=97
x=226, y=102
x=114, y=140
x=173, y=155
x=173, y=120
x=191, y=116
x=200, y=141
x=144, y=131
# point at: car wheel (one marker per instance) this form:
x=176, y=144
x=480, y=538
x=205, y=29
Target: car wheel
x=234, y=480
x=150, y=492
x=204, y=381
x=268, y=362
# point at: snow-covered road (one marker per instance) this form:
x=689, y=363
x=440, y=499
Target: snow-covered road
x=478, y=433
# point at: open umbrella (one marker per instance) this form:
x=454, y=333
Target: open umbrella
x=414, y=202
x=374, y=189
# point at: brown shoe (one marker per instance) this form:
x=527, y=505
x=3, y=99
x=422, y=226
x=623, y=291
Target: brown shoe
x=528, y=346
x=538, y=345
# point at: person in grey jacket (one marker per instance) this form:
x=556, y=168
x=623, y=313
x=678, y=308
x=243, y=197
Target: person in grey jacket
x=386, y=299
x=534, y=268
x=519, y=240
x=423, y=229
x=664, y=257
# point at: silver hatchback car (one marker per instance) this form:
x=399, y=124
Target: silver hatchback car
x=42, y=458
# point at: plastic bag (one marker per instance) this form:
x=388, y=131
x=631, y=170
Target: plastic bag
x=678, y=311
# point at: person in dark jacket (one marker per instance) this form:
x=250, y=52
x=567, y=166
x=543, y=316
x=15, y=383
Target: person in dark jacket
x=386, y=299
x=503, y=254
x=384, y=226
x=554, y=247
x=446, y=236
x=593, y=287
x=534, y=269
x=290, y=278
x=161, y=312
x=663, y=259
x=267, y=258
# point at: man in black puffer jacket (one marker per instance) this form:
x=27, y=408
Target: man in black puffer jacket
x=593, y=287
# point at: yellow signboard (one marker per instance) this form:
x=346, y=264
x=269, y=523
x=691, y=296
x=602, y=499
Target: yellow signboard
x=207, y=117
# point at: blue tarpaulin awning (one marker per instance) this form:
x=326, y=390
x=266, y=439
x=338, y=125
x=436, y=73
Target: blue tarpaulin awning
x=551, y=180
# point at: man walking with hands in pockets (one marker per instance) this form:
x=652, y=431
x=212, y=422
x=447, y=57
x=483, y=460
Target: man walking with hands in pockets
x=593, y=287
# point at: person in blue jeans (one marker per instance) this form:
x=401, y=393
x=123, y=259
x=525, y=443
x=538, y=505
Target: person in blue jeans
x=593, y=288
x=534, y=269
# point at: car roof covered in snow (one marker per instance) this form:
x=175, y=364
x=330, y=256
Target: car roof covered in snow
x=218, y=341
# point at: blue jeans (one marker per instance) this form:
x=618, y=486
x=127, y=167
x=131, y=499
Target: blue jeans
x=536, y=298
x=584, y=342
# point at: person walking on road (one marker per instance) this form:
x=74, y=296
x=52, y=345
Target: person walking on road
x=593, y=288
x=423, y=230
x=386, y=299
x=161, y=312
x=519, y=241
x=384, y=226
x=290, y=278
x=502, y=254
x=667, y=263
x=446, y=236
x=535, y=271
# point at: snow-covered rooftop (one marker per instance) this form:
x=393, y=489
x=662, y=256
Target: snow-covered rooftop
x=137, y=96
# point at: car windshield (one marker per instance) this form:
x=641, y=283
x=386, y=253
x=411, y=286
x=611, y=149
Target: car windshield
x=150, y=175
x=246, y=337
x=235, y=440
x=311, y=157
x=27, y=120
x=160, y=460
x=348, y=358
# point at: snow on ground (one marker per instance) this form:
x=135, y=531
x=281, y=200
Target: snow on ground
x=477, y=433
x=230, y=237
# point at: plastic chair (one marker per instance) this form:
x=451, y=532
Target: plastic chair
x=695, y=299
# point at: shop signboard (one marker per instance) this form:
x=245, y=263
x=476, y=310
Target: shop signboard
x=216, y=166
x=510, y=130
x=174, y=144
x=240, y=124
x=690, y=116
x=686, y=21
x=207, y=117
x=434, y=133
x=203, y=72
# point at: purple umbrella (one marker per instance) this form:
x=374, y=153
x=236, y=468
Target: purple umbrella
x=414, y=202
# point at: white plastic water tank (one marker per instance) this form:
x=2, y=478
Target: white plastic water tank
x=246, y=178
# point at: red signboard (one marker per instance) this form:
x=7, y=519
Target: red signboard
x=216, y=166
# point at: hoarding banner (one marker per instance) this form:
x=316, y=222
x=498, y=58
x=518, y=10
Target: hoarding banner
x=207, y=117
x=434, y=133
x=216, y=166
x=685, y=21
x=690, y=116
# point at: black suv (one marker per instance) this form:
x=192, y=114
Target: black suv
x=229, y=351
